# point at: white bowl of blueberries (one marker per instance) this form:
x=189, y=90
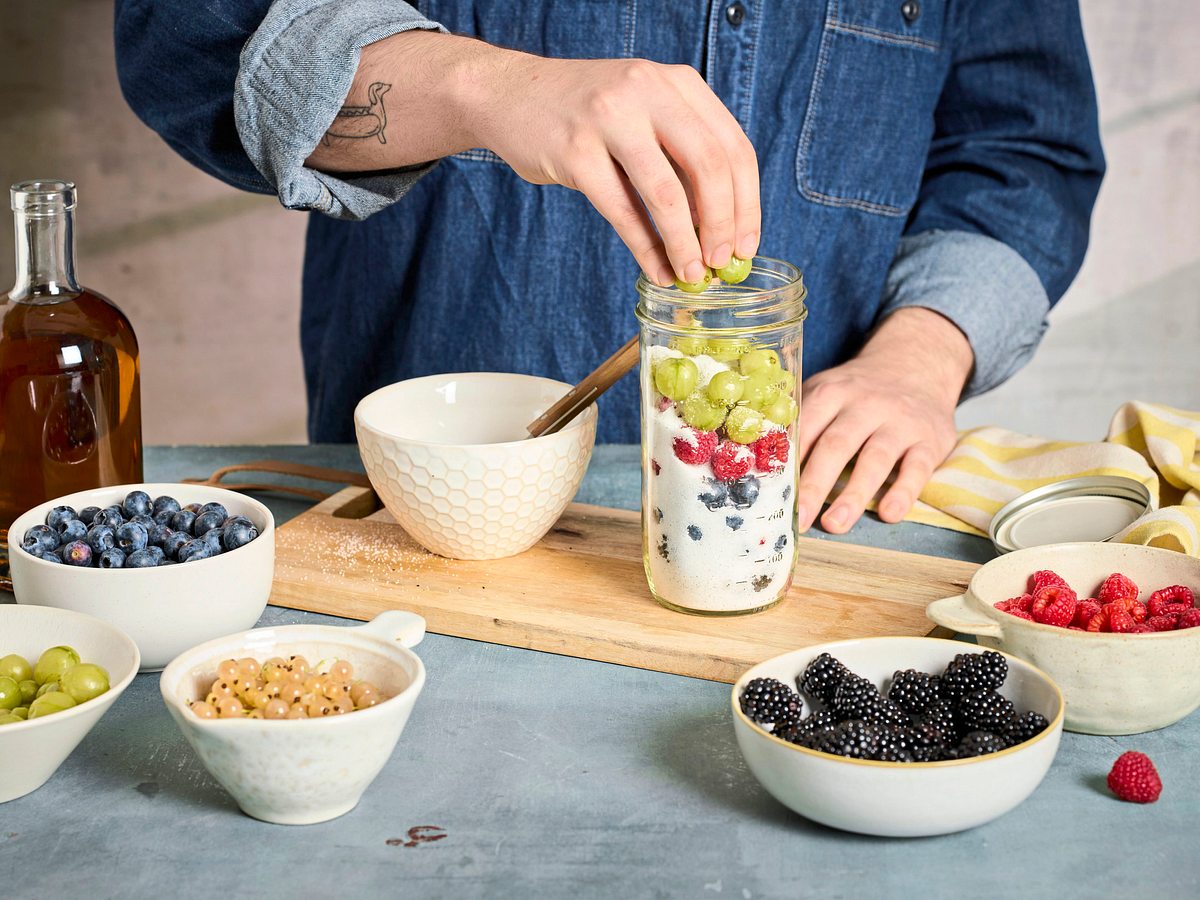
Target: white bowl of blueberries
x=171, y=565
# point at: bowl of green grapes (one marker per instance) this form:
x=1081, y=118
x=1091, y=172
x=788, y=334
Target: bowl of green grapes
x=60, y=671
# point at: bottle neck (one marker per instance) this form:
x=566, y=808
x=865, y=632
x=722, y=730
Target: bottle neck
x=45, y=255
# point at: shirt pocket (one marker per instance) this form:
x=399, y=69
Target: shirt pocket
x=869, y=120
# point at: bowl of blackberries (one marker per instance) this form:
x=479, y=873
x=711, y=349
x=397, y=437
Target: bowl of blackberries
x=171, y=565
x=898, y=736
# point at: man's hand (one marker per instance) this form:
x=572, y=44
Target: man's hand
x=649, y=145
x=893, y=404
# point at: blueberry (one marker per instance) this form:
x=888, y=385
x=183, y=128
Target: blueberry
x=182, y=521
x=197, y=548
x=716, y=495
x=212, y=537
x=735, y=522
x=215, y=507
x=140, y=559
x=43, y=537
x=744, y=492
x=208, y=520
x=112, y=558
x=193, y=507
x=35, y=550
x=110, y=516
x=787, y=491
x=132, y=537
x=694, y=533
x=238, y=533
x=88, y=513
x=60, y=514
x=145, y=521
x=163, y=516
x=164, y=503
x=157, y=534
x=137, y=503
x=157, y=553
x=51, y=557
x=781, y=543
x=77, y=553
x=72, y=530
x=101, y=538
x=173, y=542
x=167, y=561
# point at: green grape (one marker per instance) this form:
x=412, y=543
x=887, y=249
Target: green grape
x=47, y=688
x=725, y=387
x=84, y=681
x=53, y=662
x=29, y=689
x=760, y=390
x=701, y=413
x=7, y=718
x=696, y=287
x=689, y=346
x=48, y=704
x=10, y=693
x=728, y=349
x=782, y=410
x=787, y=381
x=21, y=712
x=744, y=424
x=16, y=667
x=763, y=359
x=735, y=271
x=676, y=377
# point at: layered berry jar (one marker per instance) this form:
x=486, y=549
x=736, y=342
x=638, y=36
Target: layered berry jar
x=720, y=376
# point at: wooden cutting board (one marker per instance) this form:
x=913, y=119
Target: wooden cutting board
x=582, y=590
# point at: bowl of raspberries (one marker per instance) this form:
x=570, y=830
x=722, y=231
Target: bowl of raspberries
x=171, y=565
x=898, y=736
x=1115, y=625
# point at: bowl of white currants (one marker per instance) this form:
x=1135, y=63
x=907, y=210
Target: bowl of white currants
x=60, y=671
x=295, y=722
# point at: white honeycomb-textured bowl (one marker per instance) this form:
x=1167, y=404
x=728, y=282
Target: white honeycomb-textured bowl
x=447, y=457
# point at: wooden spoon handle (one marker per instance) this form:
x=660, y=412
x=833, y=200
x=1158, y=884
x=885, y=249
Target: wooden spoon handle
x=585, y=393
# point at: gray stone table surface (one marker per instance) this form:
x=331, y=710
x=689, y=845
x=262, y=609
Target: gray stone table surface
x=555, y=777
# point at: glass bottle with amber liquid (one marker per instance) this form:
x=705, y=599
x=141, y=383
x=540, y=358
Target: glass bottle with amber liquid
x=70, y=398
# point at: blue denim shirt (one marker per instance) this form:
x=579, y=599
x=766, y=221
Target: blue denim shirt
x=948, y=160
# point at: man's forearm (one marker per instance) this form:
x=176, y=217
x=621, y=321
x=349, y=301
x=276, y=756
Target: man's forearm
x=921, y=340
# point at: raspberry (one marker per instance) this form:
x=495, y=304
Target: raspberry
x=1163, y=623
x=1054, y=605
x=731, y=461
x=1141, y=628
x=664, y=404
x=1024, y=603
x=1085, y=611
x=1171, y=600
x=1133, y=778
x=1099, y=622
x=1190, y=619
x=771, y=451
x=1135, y=608
x=1021, y=614
x=1075, y=628
x=695, y=447
x=1119, y=619
x=1044, y=578
x=1117, y=587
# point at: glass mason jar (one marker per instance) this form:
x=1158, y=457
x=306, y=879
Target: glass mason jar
x=720, y=409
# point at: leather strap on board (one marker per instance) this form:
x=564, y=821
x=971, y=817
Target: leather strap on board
x=279, y=467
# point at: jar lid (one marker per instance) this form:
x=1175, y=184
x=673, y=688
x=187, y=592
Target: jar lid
x=1092, y=508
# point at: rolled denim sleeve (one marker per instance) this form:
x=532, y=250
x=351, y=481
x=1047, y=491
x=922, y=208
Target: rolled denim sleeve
x=293, y=77
x=981, y=285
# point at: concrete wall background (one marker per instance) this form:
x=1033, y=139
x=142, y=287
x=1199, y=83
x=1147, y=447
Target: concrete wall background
x=210, y=276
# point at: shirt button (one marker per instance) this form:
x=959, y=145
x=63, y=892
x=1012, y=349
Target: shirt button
x=911, y=9
x=735, y=14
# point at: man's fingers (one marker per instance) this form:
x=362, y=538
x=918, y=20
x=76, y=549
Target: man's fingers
x=834, y=448
x=817, y=411
x=874, y=464
x=915, y=470
x=614, y=197
x=698, y=152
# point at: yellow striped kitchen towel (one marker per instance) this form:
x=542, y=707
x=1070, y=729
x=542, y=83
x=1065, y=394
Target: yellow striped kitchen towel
x=1156, y=445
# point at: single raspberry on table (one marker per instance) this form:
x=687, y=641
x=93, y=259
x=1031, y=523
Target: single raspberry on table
x=1117, y=587
x=731, y=461
x=1162, y=623
x=1054, y=605
x=771, y=451
x=1133, y=778
x=1190, y=619
x=695, y=447
x=1085, y=611
x=1044, y=578
x=1175, y=599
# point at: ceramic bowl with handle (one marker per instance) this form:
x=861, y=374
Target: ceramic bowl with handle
x=165, y=609
x=895, y=799
x=1113, y=683
x=31, y=751
x=302, y=771
x=451, y=460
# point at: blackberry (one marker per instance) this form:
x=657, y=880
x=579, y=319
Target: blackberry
x=927, y=742
x=821, y=678
x=896, y=745
x=913, y=691
x=856, y=739
x=970, y=672
x=770, y=702
x=941, y=717
x=1026, y=727
x=806, y=732
x=856, y=698
x=979, y=743
x=889, y=715
x=986, y=711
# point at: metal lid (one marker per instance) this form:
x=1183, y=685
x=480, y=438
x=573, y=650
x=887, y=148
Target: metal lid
x=1093, y=508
